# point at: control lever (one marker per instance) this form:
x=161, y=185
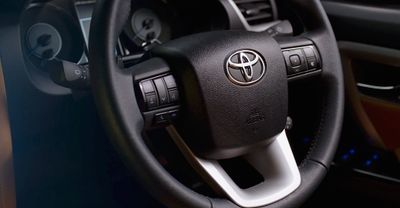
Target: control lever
x=282, y=28
x=70, y=75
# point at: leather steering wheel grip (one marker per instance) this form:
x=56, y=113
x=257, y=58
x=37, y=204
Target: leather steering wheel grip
x=117, y=106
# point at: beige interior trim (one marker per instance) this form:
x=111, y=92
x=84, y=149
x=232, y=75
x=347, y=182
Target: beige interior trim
x=349, y=51
x=357, y=51
x=7, y=187
x=397, y=152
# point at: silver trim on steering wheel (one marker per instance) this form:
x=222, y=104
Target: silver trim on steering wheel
x=274, y=162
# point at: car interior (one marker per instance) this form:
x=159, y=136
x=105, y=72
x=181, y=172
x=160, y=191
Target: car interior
x=201, y=103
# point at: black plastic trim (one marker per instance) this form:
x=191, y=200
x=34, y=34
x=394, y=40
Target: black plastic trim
x=361, y=12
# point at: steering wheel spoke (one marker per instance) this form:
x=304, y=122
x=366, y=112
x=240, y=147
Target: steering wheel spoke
x=275, y=163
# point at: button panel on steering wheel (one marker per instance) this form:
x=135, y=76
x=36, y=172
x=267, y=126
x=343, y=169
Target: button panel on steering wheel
x=301, y=60
x=160, y=91
x=160, y=98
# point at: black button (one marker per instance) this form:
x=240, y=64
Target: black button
x=162, y=91
x=170, y=81
x=312, y=63
x=173, y=115
x=173, y=95
x=294, y=54
x=272, y=32
x=151, y=100
x=161, y=118
x=295, y=60
x=309, y=52
x=147, y=87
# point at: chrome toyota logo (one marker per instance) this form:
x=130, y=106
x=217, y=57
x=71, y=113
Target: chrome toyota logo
x=245, y=67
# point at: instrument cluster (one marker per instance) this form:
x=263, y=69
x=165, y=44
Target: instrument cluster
x=155, y=22
x=55, y=35
x=59, y=29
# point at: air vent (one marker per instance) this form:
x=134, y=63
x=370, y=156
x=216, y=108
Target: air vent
x=256, y=11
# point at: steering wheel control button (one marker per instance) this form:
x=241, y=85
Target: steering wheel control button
x=173, y=115
x=165, y=118
x=312, y=59
x=173, y=95
x=147, y=86
x=312, y=63
x=301, y=60
x=289, y=123
x=295, y=60
x=309, y=52
x=161, y=119
x=170, y=81
x=149, y=94
x=162, y=91
x=151, y=100
x=159, y=92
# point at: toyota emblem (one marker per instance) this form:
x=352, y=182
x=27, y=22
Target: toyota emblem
x=245, y=67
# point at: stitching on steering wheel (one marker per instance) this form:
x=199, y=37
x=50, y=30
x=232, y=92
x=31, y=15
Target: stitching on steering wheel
x=321, y=126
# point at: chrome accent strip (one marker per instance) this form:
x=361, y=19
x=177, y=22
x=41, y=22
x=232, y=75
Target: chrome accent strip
x=245, y=66
x=375, y=87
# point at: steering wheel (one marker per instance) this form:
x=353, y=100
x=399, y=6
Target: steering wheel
x=229, y=90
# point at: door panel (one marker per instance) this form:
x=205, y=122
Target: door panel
x=372, y=77
x=7, y=193
x=362, y=22
x=385, y=117
x=368, y=34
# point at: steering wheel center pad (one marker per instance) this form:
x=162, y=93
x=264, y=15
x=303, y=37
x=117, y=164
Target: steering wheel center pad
x=223, y=119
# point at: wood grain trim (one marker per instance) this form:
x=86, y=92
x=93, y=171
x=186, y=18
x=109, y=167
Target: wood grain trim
x=7, y=186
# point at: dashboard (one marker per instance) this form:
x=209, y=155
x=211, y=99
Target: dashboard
x=58, y=30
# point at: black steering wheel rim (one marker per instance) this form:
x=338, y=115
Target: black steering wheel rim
x=122, y=117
